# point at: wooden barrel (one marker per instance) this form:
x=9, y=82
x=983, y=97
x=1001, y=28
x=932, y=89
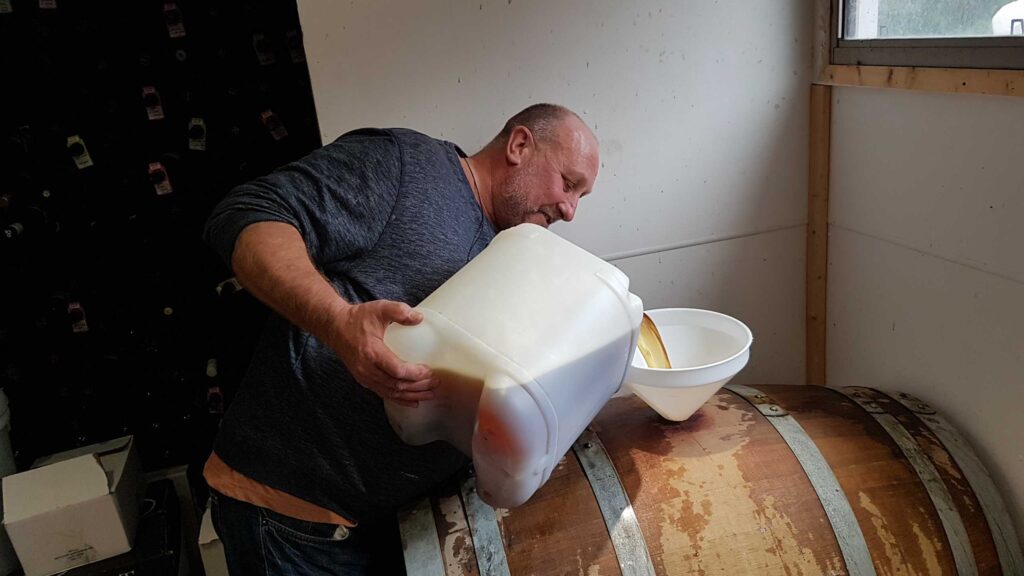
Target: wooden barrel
x=793, y=480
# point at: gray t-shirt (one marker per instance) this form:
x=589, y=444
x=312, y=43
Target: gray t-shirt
x=386, y=214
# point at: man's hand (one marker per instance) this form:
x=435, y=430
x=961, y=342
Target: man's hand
x=357, y=337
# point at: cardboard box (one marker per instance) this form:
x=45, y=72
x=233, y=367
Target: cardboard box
x=8, y=559
x=211, y=548
x=75, y=507
x=157, y=543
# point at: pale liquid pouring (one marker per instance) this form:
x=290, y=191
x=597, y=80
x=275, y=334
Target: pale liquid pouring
x=651, y=346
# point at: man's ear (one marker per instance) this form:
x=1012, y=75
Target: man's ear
x=520, y=144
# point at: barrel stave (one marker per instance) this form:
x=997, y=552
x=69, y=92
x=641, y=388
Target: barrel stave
x=560, y=530
x=983, y=546
x=892, y=506
x=720, y=493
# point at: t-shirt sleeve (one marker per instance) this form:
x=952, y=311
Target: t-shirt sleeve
x=339, y=197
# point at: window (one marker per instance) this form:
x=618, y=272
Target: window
x=937, y=33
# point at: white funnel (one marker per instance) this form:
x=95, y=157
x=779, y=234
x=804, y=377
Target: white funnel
x=706, y=349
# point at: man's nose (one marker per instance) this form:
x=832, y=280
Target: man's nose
x=568, y=209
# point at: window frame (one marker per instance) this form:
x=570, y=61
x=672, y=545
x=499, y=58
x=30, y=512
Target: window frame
x=979, y=52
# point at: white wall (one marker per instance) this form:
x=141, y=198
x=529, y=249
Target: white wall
x=701, y=109
x=926, y=261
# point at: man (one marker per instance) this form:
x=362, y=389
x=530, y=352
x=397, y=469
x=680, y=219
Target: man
x=306, y=473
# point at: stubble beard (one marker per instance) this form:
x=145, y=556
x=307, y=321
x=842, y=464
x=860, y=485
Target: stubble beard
x=514, y=205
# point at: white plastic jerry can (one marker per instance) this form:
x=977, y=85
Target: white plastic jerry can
x=529, y=340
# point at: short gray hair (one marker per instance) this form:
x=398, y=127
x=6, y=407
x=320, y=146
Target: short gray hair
x=542, y=120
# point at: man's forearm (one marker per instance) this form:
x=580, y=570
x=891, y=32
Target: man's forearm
x=271, y=261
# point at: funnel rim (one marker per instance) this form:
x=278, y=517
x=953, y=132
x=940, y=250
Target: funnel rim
x=749, y=340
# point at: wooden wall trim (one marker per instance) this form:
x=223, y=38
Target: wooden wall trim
x=960, y=80
x=957, y=80
x=822, y=37
x=817, y=232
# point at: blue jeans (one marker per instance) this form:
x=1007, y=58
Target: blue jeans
x=260, y=542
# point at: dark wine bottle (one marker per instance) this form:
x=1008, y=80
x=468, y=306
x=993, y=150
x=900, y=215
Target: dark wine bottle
x=6, y=199
x=32, y=220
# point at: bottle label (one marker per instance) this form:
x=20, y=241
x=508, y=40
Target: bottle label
x=214, y=400
x=197, y=134
x=298, y=55
x=80, y=324
x=263, y=51
x=175, y=23
x=161, y=181
x=229, y=286
x=211, y=368
x=154, y=107
x=5, y=7
x=79, y=152
x=274, y=124
x=48, y=4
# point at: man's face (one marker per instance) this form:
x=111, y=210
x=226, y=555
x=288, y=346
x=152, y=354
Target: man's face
x=549, y=182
